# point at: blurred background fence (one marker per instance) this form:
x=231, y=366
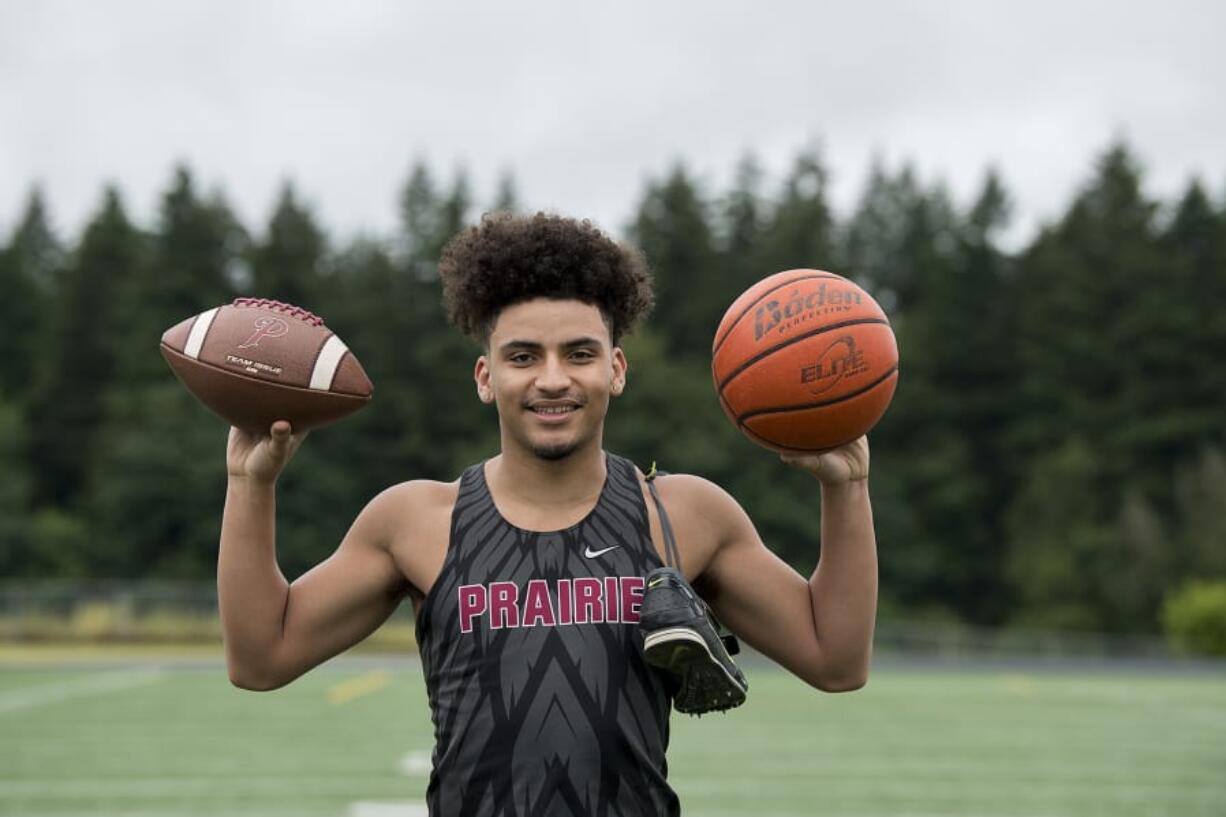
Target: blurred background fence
x=185, y=612
x=147, y=612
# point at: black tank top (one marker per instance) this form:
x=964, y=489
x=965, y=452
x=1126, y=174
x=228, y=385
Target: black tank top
x=542, y=703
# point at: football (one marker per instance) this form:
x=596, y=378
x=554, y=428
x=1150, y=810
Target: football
x=256, y=361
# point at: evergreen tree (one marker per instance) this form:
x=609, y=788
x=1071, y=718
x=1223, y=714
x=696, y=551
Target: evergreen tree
x=1088, y=291
x=1144, y=566
x=507, y=196
x=29, y=267
x=367, y=307
x=425, y=420
x=287, y=263
x=957, y=376
x=673, y=231
x=1194, y=329
x=196, y=248
x=743, y=218
x=1060, y=539
x=156, y=486
x=881, y=234
x=800, y=232
x=900, y=245
x=1149, y=328
x=1097, y=345
x=15, y=490
x=164, y=442
x=1200, y=492
x=429, y=218
x=34, y=246
x=195, y=264
x=444, y=424
x=82, y=352
x=418, y=211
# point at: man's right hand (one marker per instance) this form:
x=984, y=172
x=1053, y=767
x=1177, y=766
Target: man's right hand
x=258, y=457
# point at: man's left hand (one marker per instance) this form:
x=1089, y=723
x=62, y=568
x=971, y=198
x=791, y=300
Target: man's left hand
x=847, y=463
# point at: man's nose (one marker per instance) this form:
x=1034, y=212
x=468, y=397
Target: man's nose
x=553, y=376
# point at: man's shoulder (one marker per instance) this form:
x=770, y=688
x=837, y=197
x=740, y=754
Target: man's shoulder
x=689, y=487
x=413, y=500
x=697, y=497
x=422, y=494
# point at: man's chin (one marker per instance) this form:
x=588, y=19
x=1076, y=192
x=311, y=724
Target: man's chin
x=554, y=451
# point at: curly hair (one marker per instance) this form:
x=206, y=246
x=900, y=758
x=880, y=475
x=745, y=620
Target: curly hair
x=508, y=259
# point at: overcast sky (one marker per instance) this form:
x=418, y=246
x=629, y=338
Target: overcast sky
x=583, y=102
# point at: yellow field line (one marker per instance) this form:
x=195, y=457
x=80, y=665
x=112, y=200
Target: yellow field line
x=346, y=691
x=34, y=654
x=1021, y=685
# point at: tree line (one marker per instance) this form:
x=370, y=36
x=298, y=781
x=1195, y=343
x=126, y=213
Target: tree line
x=1054, y=455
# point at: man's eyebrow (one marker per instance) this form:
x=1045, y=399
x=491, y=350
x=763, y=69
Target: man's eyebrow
x=577, y=342
x=531, y=345
x=512, y=345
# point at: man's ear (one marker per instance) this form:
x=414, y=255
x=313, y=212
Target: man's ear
x=481, y=375
x=618, y=384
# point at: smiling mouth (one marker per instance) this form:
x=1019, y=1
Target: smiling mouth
x=553, y=411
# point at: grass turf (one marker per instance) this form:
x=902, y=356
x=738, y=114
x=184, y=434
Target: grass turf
x=138, y=740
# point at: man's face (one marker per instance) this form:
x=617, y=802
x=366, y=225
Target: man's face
x=550, y=369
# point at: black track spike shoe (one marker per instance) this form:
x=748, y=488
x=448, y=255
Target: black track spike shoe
x=681, y=637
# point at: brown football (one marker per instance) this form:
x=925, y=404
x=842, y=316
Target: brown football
x=256, y=361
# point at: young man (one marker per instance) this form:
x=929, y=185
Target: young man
x=527, y=573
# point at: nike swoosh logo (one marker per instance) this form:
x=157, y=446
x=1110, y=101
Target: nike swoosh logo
x=592, y=554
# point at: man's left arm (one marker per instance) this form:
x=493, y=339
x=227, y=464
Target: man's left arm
x=820, y=629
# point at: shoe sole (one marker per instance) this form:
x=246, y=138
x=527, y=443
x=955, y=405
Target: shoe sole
x=685, y=653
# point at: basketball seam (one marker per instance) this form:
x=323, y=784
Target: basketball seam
x=741, y=419
x=749, y=432
x=719, y=343
x=811, y=333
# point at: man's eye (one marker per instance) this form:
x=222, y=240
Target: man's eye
x=582, y=355
x=521, y=359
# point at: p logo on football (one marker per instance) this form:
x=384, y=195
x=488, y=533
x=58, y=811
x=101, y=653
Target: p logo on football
x=265, y=328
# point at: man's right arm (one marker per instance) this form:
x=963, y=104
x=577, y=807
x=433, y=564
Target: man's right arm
x=275, y=631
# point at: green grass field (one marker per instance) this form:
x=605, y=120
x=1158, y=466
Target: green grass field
x=353, y=740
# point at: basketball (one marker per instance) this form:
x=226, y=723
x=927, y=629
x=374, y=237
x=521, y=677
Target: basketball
x=804, y=361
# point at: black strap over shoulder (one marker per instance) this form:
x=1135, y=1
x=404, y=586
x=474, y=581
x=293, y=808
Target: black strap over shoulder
x=670, y=542
x=674, y=560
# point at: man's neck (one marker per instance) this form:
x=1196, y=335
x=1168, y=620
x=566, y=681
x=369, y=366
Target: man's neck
x=521, y=477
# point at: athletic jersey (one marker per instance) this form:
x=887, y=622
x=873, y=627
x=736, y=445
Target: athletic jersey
x=542, y=703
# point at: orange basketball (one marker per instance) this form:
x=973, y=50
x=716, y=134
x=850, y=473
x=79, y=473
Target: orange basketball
x=804, y=360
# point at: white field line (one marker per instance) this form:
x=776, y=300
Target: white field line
x=1043, y=795
x=410, y=808
x=180, y=787
x=15, y=700
x=961, y=795
x=417, y=763
x=386, y=808
x=163, y=812
x=741, y=812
